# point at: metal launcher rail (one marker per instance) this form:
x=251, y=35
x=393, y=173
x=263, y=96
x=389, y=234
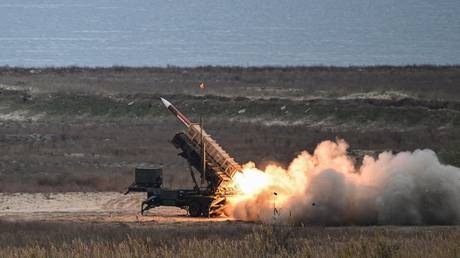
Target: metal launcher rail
x=217, y=159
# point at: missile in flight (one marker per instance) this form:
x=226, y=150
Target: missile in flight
x=176, y=112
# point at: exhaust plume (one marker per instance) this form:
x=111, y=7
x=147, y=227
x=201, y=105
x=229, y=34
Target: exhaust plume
x=325, y=188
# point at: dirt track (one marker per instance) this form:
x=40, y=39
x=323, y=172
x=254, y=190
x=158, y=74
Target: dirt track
x=79, y=206
x=107, y=224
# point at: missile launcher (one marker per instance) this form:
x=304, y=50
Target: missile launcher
x=215, y=166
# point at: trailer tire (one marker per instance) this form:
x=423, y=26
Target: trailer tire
x=194, y=210
x=205, y=211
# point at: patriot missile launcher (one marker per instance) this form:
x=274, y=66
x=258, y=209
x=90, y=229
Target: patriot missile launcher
x=215, y=166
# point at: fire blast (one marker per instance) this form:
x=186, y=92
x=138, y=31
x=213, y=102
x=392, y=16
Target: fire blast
x=326, y=188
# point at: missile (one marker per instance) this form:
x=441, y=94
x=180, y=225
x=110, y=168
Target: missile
x=176, y=112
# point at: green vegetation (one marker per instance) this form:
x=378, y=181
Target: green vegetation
x=97, y=107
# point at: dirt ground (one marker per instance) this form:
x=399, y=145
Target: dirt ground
x=107, y=224
x=89, y=207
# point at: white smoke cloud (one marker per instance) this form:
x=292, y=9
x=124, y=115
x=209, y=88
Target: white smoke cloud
x=326, y=188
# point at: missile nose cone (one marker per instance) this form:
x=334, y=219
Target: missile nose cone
x=165, y=102
x=176, y=112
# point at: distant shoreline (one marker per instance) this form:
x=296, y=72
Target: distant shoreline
x=234, y=68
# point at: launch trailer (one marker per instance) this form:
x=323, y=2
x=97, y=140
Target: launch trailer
x=149, y=180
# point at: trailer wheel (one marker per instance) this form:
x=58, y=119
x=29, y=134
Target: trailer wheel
x=205, y=211
x=194, y=210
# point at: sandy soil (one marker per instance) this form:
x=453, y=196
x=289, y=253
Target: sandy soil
x=79, y=206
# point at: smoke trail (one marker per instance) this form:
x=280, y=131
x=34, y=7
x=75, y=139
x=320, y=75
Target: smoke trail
x=325, y=188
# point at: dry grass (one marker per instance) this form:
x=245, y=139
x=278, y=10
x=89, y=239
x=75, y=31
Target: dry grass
x=226, y=239
x=101, y=156
x=89, y=137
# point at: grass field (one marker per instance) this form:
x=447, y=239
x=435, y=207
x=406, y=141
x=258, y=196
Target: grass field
x=85, y=129
x=222, y=239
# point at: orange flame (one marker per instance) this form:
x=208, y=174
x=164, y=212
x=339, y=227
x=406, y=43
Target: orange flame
x=258, y=187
